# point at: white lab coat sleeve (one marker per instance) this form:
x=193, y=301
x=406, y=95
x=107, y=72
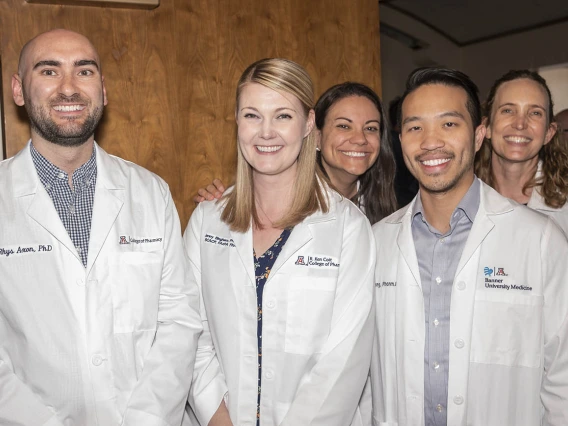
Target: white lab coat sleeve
x=554, y=393
x=209, y=386
x=19, y=406
x=329, y=395
x=159, y=397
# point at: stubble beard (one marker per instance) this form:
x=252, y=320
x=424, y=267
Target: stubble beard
x=441, y=186
x=71, y=135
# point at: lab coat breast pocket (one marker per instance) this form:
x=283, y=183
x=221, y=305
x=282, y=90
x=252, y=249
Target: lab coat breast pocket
x=135, y=278
x=310, y=308
x=507, y=329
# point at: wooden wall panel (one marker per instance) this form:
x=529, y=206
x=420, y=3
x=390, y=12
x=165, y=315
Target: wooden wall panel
x=171, y=72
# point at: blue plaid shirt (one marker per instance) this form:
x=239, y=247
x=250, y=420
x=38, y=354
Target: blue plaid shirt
x=74, y=206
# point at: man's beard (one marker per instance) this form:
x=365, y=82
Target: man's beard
x=74, y=134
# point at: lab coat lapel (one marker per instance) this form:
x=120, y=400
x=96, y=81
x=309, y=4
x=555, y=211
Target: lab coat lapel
x=406, y=246
x=109, y=196
x=243, y=244
x=491, y=203
x=26, y=183
x=299, y=237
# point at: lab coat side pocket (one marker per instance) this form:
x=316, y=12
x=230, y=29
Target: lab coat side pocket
x=135, y=282
x=507, y=329
x=310, y=308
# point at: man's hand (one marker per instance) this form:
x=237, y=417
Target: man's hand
x=211, y=192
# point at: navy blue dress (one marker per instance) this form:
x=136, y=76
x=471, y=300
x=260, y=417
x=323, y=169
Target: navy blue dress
x=262, y=267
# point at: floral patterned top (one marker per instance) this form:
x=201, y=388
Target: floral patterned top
x=262, y=267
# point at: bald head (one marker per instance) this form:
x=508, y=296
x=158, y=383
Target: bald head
x=562, y=119
x=42, y=42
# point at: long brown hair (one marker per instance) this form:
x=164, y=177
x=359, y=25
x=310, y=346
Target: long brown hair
x=309, y=196
x=553, y=180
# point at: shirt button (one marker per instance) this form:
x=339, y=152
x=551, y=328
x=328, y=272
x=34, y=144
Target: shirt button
x=72, y=209
x=61, y=175
x=461, y=285
x=271, y=304
x=78, y=249
x=439, y=408
x=97, y=360
x=47, y=186
x=436, y=322
x=459, y=343
x=436, y=366
x=458, y=400
x=438, y=280
x=269, y=374
x=442, y=240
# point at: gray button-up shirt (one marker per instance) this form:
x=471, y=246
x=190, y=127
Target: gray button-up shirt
x=438, y=257
x=74, y=206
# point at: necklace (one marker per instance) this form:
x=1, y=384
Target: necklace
x=262, y=210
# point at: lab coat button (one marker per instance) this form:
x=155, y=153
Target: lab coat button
x=461, y=285
x=271, y=304
x=97, y=360
x=269, y=374
x=458, y=400
x=80, y=282
x=459, y=343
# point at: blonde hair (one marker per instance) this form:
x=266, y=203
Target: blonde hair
x=240, y=209
x=553, y=181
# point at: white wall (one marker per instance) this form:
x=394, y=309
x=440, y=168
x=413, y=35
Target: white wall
x=557, y=79
x=483, y=62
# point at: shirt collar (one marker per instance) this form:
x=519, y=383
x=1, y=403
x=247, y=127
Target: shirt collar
x=49, y=173
x=469, y=204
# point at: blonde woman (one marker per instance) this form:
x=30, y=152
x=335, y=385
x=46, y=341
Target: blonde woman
x=285, y=266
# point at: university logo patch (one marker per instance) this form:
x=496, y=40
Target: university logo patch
x=300, y=261
x=123, y=240
x=488, y=271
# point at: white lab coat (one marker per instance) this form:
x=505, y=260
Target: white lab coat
x=508, y=348
x=536, y=202
x=113, y=343
x=317, y=319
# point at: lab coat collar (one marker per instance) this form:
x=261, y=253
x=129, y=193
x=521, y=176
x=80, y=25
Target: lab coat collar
x=300, y=236
x=491, y=203
x=109, y=196
x=109, y=199
x=25, y=182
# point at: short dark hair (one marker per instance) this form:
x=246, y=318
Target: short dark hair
x=446, y=77
x=377, y=183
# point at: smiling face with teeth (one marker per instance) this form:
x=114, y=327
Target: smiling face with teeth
x=271, y=127
x=60, y=84
x=438, y=139
x=350, y=138
x=519, y=126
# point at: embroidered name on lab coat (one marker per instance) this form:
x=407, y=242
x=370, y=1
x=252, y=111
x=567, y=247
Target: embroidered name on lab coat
x=124, y=239
x=385, y=284
x=220, y=241
x=25, y=249
x=318, y=261
x=497, y=278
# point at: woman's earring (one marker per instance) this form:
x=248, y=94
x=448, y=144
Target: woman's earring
x=317, y=148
